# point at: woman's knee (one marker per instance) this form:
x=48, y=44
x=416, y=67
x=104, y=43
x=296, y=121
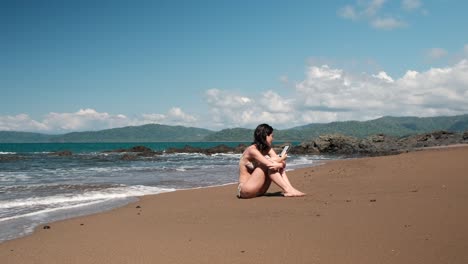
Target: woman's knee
x=248, y=193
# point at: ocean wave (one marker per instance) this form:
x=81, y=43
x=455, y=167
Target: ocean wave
x=65, y=201
x=13, y=177
x=229, y=155
x=47, y=188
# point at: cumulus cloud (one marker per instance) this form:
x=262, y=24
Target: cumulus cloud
x=438, y=91
x=21, y=122
x=372, y=11
x=84, y=119
x=233, y=110
x=175, y=116
x=329, y=94
x=229, y=108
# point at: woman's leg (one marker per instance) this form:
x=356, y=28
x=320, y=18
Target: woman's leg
x=256, y=185
x=260, y=181
x=286, y=179
x=281, y=179
x=265, y=186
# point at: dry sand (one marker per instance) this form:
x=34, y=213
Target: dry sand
x=408, y=208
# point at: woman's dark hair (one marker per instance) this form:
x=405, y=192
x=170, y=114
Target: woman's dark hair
x=260, y=135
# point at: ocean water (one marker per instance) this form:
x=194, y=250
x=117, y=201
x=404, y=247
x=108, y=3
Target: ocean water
x=38, y=186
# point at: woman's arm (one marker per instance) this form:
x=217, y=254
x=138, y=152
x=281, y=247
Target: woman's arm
x=270, y=163
x=277, y=158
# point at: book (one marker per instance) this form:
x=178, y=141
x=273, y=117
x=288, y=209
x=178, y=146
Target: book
x=285, y=150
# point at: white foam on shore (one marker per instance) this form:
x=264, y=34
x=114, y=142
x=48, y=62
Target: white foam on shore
x=60, y=202
x=63, y=207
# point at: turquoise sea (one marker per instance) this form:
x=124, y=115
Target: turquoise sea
x=38, y=186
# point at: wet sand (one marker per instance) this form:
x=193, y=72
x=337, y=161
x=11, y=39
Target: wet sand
x=407, y=208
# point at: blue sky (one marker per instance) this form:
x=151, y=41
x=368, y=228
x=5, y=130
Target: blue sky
x=90, y=65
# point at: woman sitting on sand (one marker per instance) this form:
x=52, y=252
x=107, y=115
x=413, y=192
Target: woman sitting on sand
x=259, y=165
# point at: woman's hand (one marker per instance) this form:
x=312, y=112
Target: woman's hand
x=276, y=165
x=280, y=159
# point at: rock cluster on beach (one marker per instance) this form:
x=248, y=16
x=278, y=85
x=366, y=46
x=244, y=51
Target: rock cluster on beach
x=378, y=144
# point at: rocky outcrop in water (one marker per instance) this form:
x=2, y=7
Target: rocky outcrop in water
x=9, y=157
x=62, y=153
x=208, y=151
x=134, y=152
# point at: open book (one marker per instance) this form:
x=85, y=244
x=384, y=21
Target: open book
x=285, y=150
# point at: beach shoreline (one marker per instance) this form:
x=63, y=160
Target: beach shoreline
x=405, y=208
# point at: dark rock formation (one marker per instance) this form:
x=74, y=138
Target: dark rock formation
x=10, y=157
x=378, y=144
x=63, y=153
x=139, y=149
x=208, y=151
x=337, y=144
x=129, y=157
x=134, y=152
x=437, y=138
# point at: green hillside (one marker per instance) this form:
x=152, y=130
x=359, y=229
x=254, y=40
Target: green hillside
x=145, y=133
x=23, y=137
x=231, y=134
x=393, y=126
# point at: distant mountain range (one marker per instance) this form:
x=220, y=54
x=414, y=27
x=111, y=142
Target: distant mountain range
x=392, y=126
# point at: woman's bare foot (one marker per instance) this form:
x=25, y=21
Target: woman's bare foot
x=293, y=193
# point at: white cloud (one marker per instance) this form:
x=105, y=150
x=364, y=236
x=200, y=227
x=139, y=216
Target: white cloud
x=329, y=94
x=438, y=91
x=374, y=13
x=21, y=122
x=229, y=108
x=274, y=103
x=84, y=119
x=383, y=76
x=177, y=116
x=222, y=99
x=387, y=23
x=153, y=118
x=348, y=12
x=284, y=79
x=371, y=8
x=410, y=5
x=436, y=53
x=333, y=90
x=233, y=110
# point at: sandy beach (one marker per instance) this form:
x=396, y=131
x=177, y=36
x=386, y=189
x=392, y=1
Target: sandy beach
x=407, y=208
